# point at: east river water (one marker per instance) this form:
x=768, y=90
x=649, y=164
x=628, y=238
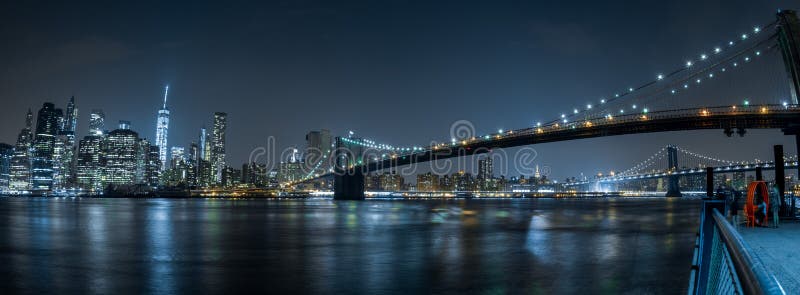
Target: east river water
x=321, y=246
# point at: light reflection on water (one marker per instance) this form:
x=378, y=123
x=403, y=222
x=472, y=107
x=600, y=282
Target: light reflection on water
x=166, y=246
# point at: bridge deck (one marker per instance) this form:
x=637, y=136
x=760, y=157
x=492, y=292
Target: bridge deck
x=777, y=249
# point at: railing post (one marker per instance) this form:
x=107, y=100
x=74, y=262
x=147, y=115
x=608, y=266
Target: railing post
x=710, y=182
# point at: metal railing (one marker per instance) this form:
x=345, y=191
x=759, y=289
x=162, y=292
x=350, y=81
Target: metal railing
x=723, y=263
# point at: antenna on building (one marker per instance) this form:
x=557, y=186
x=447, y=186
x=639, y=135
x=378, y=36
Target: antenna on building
x=166, y=91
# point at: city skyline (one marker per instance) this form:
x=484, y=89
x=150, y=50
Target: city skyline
x=287, y=110
x=400, y=147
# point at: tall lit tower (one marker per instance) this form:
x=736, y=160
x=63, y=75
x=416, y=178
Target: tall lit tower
x=162, y=126
x=218, y=145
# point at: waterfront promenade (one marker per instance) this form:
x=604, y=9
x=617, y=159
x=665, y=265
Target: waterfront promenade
x=778, y=250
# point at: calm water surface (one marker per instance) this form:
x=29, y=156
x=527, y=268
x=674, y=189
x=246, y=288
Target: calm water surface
x=166, y=246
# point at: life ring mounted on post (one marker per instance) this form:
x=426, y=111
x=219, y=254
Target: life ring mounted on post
x=750, y=207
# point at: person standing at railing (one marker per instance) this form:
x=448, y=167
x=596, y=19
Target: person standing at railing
x=761, y=212
x=734, y=209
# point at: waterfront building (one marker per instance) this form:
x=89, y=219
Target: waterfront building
x=177, y=157
x=178, y=172
x=97, y=122
x=464, y=181
x=192, y=158
x=446, y=183
x=20, y=171
x=291, y=170
x=254, y=174
x=218, y=146
x=6, y=153
x=88, y=168
x=64, y=148
x=153, y=166
x=391, y=181
x=272, y=178
x=485, y=168
x=231, y=177
x=47, y=127
x=120, y=155
x=205, y=148
x=738, y=181
x=427, y=182
x=63, y=157
x=372, y=182
x=720, y=180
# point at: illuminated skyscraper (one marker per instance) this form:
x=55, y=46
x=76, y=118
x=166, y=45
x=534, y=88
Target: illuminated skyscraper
x=120, y=153
x=88, y=169
x=43, y=147
x=70, y=117
x=178, y=156
x=485, y=169
x=20, y=174
x=152, y=172
x=205, y=148
x=162, y=126
x=205, y=175
x=6, y=153
x=64, y=149
x=96, y=122
x=218, y=145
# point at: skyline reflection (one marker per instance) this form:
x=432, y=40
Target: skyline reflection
x=166, y=246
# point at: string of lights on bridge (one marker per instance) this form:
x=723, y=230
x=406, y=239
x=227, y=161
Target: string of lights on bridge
x=659, y=155
x=638, y=168
x=636, y=172
x=704, y=157
x=697, y=79
x=739, y=58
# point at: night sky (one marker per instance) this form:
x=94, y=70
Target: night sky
x=399, y=72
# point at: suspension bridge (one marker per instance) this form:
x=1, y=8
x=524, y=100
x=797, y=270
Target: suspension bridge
x=674, y=161
x=750, y=80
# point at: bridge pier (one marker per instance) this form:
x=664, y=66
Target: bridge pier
x=348, y=177
x=789, y=40
x=759, y=174
x=673, y=186
x=349, y=185
x=792, y=130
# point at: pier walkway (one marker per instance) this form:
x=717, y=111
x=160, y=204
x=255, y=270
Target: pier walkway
x=779, y=250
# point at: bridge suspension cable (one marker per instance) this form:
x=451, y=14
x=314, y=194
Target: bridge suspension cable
x=750, y=46
x=701, y=158
x=649, y=162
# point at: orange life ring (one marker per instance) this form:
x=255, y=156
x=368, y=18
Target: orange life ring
x=750, y=207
